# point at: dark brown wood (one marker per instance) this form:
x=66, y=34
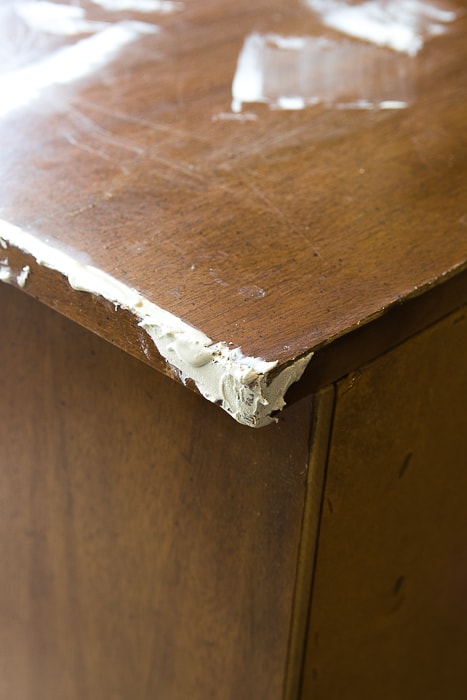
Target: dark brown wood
x=116, y=325
x=364, y=344
x=323, y=410
x=277, y=234
x=388, y=613
x=148, y=543
x=149, y=546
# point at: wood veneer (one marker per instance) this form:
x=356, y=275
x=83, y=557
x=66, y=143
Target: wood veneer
x=388, y=614
x=277, y=234
x=150, y=546
x=148, y=543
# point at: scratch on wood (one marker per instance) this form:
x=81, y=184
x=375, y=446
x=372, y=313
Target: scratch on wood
x=152, y=126
x=398, y=585
x=92, y=127
x=178, y=168
x=350, y=382
x=94, y=151
x=405, y=465
x=77, y=212
x=172, y=168
x=278, y=211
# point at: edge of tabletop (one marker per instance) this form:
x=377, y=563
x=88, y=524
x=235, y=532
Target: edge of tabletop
x=253, y=391
x=249, y=388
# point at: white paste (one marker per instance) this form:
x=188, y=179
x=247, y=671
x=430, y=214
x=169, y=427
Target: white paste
x=402, y=25
x=21, y=87
x=291, y=73
x=23, y=275
x=6, y=274
x=245, y=387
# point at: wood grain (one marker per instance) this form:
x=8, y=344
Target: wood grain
x=388, y=614
x=277, y=234
x=323, y=411
x=148, y=544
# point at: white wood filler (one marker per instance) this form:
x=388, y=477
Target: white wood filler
x=246, y=387
x=7, y=275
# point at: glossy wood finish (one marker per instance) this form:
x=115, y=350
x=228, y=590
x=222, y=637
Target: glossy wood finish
x=148, y=543
x=388, y=612
x=151, y=547
x=323, y=411
x=277, y=234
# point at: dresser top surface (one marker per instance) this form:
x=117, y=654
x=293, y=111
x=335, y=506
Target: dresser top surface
x=271, y=174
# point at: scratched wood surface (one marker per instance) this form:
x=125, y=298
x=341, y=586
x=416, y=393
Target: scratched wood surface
x=388, y=611
x=148, y=543
x=278, y=232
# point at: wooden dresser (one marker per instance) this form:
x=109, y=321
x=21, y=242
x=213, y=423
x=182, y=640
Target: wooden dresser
x=232, y=205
